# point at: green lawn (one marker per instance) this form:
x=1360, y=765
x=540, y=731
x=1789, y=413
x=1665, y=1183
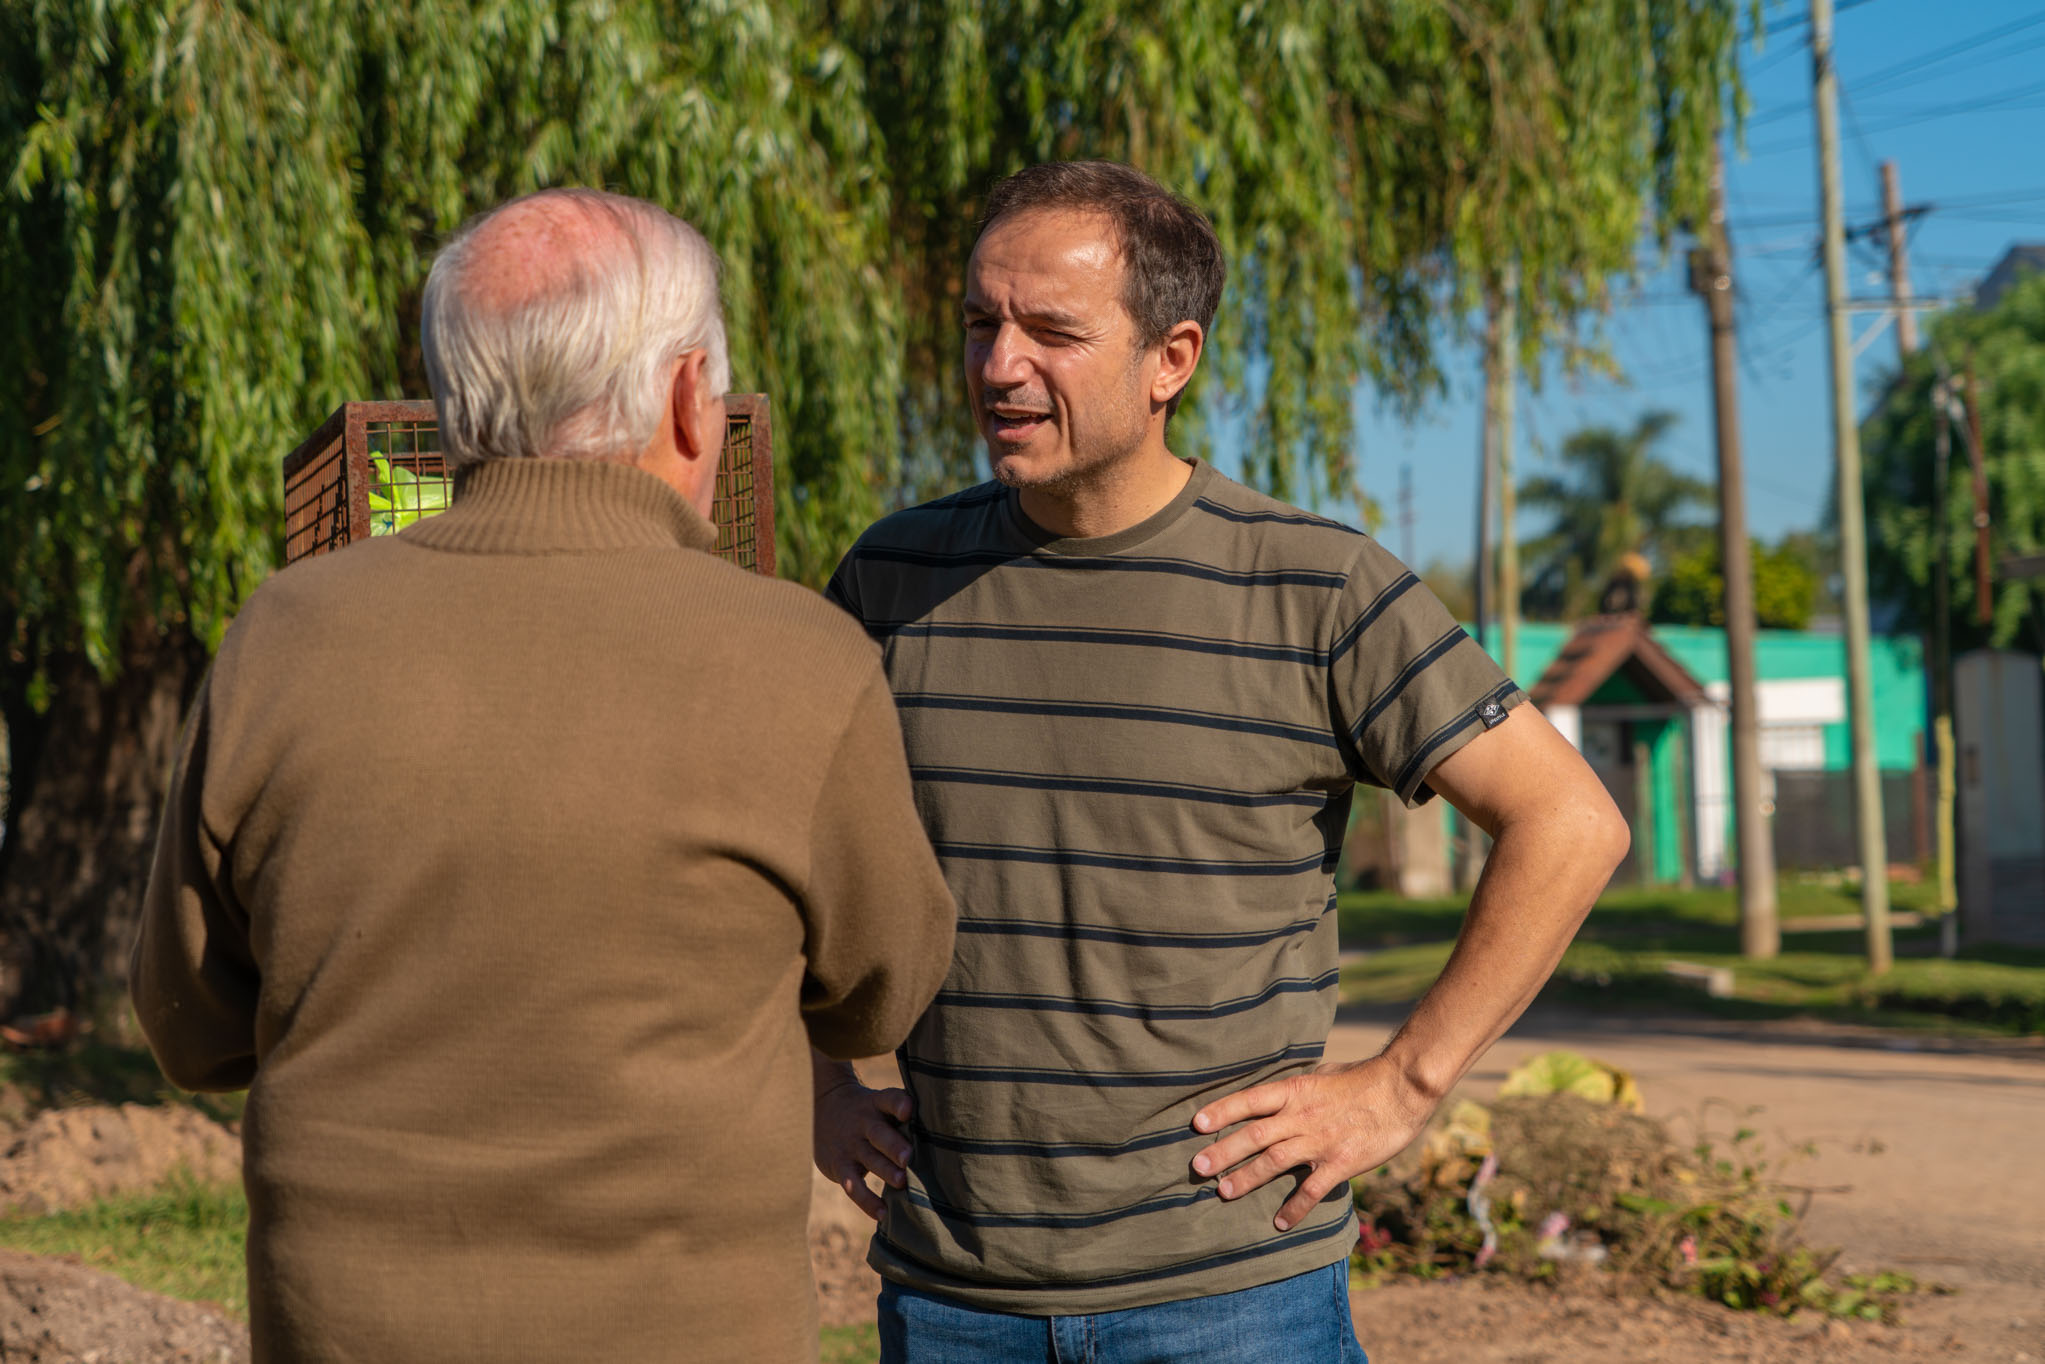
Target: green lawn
x=849, y=1345
x=185, y=1240
x=1618, y=959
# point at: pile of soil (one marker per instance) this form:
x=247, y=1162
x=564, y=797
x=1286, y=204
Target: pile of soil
x=69, y=1157
x=53, y=1311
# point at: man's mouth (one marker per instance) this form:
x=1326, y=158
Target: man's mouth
x=1015, y=423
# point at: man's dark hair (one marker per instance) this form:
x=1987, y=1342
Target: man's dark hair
x=1172, y=265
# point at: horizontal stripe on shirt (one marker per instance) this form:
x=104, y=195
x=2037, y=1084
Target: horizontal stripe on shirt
x=1115, y=1008
x=1044, y=634
x=1130, y=937
x=1184, y=568
x=1183, y=866
x=1097, y=1079
x=1000, y=1146
x=1112, y=710
x=971, y=1218
x=1117, y=786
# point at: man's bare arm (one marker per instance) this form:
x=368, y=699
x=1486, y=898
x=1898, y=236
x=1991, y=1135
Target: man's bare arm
x=1558, y=840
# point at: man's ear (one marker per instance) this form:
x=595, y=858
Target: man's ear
x=1178, y=357
x=689, y=398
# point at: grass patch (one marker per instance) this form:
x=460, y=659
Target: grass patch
x=186, y=1240
x=1619, y=956
x=1371, y=918
x=849, y=1344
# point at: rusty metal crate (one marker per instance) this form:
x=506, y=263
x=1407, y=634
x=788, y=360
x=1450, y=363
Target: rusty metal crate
x=374, y=467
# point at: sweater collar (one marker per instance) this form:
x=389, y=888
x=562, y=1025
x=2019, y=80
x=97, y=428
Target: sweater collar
x=561, y=506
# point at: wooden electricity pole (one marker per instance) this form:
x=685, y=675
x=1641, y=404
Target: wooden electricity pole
x=1711, y=275
x=1943, y=764
x=1942, y=671
x=1899, y=264
x=1867, y=777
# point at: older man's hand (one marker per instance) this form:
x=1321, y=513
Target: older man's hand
x=1336, y=1121
x=857, y=1130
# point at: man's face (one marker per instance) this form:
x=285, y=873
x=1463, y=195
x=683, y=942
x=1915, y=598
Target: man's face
x=1057, y=382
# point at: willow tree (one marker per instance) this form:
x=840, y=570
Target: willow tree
x=217, y=215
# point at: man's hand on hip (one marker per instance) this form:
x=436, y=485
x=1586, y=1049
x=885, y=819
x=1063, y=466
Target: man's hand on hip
x=1338, y=1121
x=856, y=1130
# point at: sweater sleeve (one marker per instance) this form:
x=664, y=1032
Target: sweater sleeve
x=880, y=919
x=192, y=975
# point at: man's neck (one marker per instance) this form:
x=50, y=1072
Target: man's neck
x=1111, y=499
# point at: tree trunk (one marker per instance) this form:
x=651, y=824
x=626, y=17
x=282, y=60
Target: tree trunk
x=86, y=783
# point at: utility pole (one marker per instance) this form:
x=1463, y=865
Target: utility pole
x=1867, y=780
x=1899, y=264
x=1711, y=275
x=1506, y=363
x=1942, y=672
x=1943, y=762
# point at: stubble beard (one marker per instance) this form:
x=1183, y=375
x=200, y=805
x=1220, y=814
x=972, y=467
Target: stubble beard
x=1110, y=451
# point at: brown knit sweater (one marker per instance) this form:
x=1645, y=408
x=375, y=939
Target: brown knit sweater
x=514, y=862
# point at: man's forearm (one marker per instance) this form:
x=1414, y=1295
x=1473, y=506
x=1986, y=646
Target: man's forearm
x=1541, y=879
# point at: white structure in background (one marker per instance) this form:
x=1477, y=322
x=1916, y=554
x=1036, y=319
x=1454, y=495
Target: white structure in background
x=1999, y=716
x=1794, y=713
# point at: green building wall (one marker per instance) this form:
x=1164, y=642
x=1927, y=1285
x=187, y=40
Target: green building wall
x=1897, y=674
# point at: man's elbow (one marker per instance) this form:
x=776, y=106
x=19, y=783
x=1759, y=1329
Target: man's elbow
x=1609, y=837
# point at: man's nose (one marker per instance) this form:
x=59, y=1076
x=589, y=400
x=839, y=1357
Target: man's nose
x=1007, y=360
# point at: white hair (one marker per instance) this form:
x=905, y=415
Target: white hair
x=576, y=369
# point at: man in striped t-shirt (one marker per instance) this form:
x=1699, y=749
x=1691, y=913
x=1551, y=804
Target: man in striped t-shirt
x=1136, y=698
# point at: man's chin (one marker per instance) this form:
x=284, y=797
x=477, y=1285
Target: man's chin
x=1018, y=469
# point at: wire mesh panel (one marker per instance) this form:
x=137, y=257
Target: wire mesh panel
x=374, y=468
x=743, y=505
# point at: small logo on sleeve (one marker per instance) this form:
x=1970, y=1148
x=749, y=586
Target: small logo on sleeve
x=1492, y=714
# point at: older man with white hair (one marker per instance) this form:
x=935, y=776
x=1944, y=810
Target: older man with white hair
x=515, y=862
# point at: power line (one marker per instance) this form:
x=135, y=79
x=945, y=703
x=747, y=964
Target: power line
x=1869, y=84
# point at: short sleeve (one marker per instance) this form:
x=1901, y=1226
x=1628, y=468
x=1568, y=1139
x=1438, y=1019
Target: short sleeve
x=1407, y=685
x=843, y=589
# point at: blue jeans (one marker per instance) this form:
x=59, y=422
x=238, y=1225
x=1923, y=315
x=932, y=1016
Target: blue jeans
x=1301, y=1320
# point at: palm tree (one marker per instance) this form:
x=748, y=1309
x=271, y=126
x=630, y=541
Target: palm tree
x=1615, y=495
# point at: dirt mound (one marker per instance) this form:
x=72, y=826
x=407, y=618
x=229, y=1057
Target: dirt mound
x=56, y=1312
x=69, y=1157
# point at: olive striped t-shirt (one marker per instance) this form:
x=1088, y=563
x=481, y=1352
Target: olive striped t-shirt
x=1134, y=755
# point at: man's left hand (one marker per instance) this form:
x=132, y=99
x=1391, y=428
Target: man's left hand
x=1337, y=1121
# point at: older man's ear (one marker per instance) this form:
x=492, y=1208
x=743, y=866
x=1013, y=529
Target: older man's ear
x=689, y=441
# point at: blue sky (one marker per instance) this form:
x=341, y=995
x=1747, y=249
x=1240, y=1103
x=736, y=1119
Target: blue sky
x=1968, y=135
